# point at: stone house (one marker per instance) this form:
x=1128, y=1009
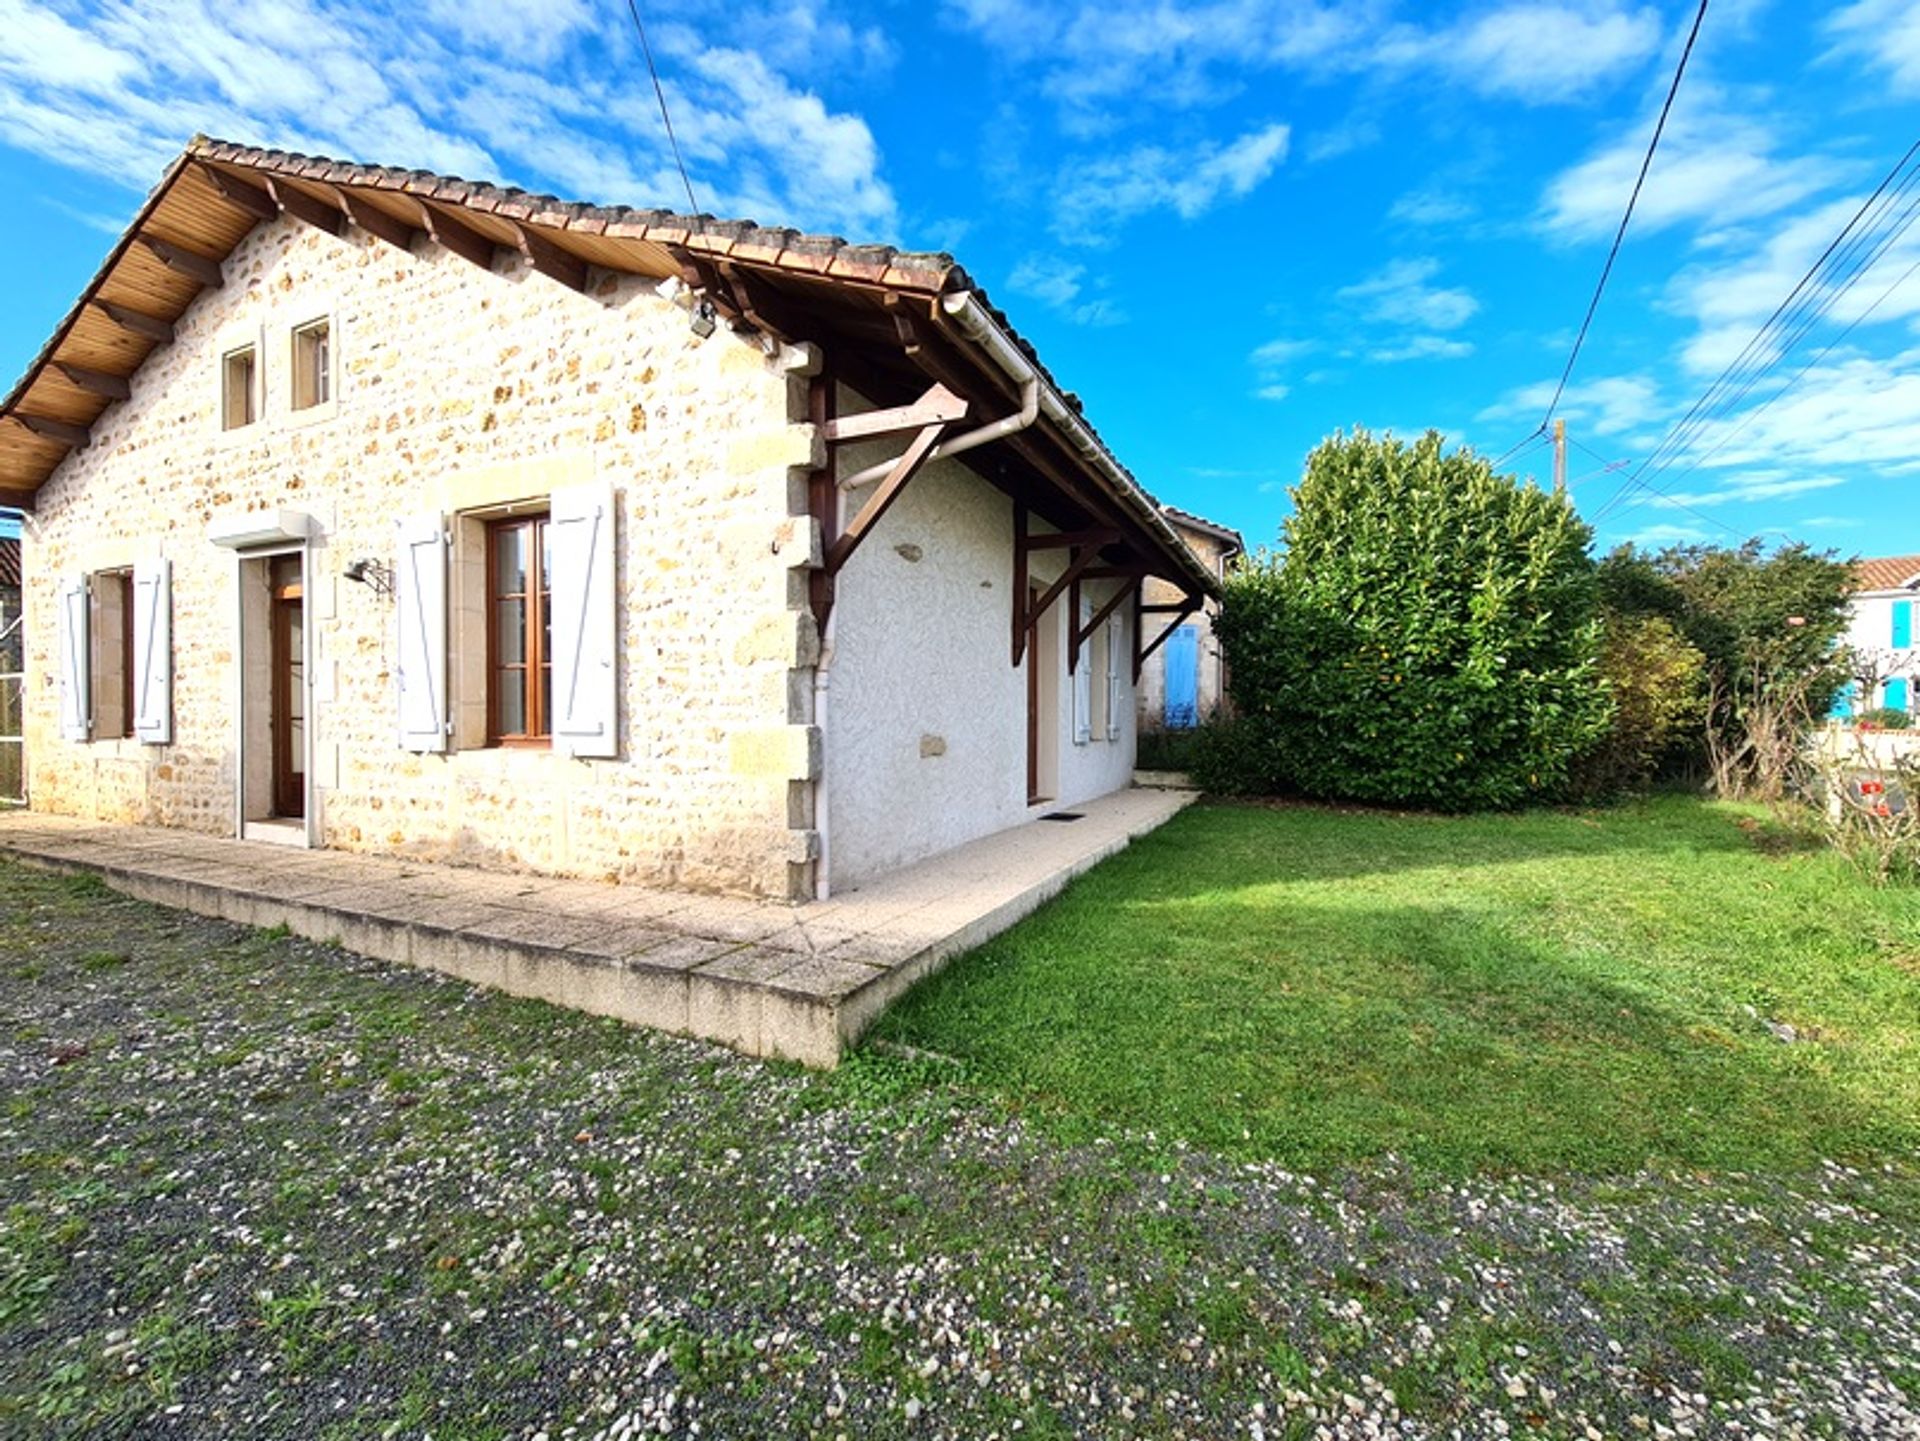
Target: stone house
x=1185, y=679
x=383, y=511
x=1880, y=630
x=12, y=765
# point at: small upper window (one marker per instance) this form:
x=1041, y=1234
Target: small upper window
x=312, y=365
x=239, y=369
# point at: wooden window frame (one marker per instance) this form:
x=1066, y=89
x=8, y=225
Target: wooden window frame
x=539, y=732
x=250, y=349
x=321, y=375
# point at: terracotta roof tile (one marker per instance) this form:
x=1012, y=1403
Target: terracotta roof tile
x=1890, y=572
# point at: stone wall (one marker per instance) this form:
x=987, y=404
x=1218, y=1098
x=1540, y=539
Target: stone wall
x=458, y=388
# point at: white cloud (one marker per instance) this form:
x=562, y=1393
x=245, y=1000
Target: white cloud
x=1422, y=347
x=1399, y=294
x=1884, y=34
x=1430, y=205
x=1712, y=166
x=1060, y=285
x=549, y=95
x=1759, y=486
x=1095, y=198
x=1658, y=535
x=1274, y=391
x=1607, y=405
x=1281, y=351
x=1096, y=57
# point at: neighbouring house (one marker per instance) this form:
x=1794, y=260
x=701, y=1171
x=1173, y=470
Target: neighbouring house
x=384, y=511
x=1185, y=680
x=1880, y=632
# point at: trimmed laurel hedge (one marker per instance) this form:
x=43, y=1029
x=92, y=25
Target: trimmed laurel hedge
x=1427, y=637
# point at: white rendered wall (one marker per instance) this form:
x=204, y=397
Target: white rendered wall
x=926, y=731
x=1870, y=629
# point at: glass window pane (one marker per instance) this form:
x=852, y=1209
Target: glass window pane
x=509, y=632
x=546, y=699
x=510, y=560
x=510, y=715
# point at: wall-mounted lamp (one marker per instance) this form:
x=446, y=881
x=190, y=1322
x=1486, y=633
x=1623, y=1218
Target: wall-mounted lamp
x=371, y=572
x=703, y=319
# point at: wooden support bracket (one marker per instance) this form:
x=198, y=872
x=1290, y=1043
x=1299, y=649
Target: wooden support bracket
x=1086, y=546
x=55, y=430
x=135, y=322
x=16, y=499
x=253, y=199
x=304, y=208
x=95, y=382
x=1083, y=634
x=547, y=256
x=883, y=497
x=452, y=233
x=1179, y=611
x=185, y=262
x=378, y=223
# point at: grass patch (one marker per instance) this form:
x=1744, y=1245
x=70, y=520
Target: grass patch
x=1550, y=990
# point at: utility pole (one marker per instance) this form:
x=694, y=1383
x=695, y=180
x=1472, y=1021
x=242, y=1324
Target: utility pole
x=1559, y=455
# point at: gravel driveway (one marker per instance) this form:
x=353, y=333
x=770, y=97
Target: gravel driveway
x=258, y=1188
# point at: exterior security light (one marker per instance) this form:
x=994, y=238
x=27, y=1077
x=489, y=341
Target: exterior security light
x=703, y=319
x=371, y=572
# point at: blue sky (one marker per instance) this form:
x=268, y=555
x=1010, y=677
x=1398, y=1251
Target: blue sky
x=1233, y=226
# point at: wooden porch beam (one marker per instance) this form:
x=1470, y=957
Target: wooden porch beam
x=759, y=306
x=939, y=406
x=450, y=232
x=74, y=436
x=304, y=208
x=377, y=223
x=95, y=382
x=699, y=274
x=136, y=322
x=1070, y=576
x=1098, y=538
x=185, y=262
x=16, y=499
x=1117, y=572
x=883, y=497
x=1020, y=628
x=823, y=496
x=548, y=257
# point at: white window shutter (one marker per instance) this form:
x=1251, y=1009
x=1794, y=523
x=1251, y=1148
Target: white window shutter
x=420, y=596
x=586, y=719
x=152, y=622
x=1082, y=679
x=1116, y=644
x=76, y=661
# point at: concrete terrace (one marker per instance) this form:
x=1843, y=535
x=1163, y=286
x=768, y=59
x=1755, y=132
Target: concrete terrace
x=799, y=982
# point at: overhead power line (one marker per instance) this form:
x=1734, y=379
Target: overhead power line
x=1879, y=223
x=1626, y=218
x=673, y=142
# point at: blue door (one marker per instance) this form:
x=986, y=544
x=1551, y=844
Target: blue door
x=1183, y=678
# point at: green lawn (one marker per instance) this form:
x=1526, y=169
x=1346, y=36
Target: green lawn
x=1547, y=991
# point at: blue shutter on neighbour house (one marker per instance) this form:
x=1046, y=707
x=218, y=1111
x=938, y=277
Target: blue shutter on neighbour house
x=1897, y=694
x=1182, y=671
x=1843, y=702
x=1902, y=624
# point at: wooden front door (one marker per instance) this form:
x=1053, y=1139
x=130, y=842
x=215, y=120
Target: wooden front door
x=289, y=696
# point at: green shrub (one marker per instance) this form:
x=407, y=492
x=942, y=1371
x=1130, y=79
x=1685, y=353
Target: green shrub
x=1658, y=682
x=1885, y=718
x=1427, y=638
x=1165, y=750
x=1235, y=756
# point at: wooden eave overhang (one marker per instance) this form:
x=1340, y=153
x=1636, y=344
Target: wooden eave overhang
x=875, y=312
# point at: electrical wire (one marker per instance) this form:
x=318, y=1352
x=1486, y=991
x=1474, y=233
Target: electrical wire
x=633, y=9
x=1758, y=357
x=1620, y=235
